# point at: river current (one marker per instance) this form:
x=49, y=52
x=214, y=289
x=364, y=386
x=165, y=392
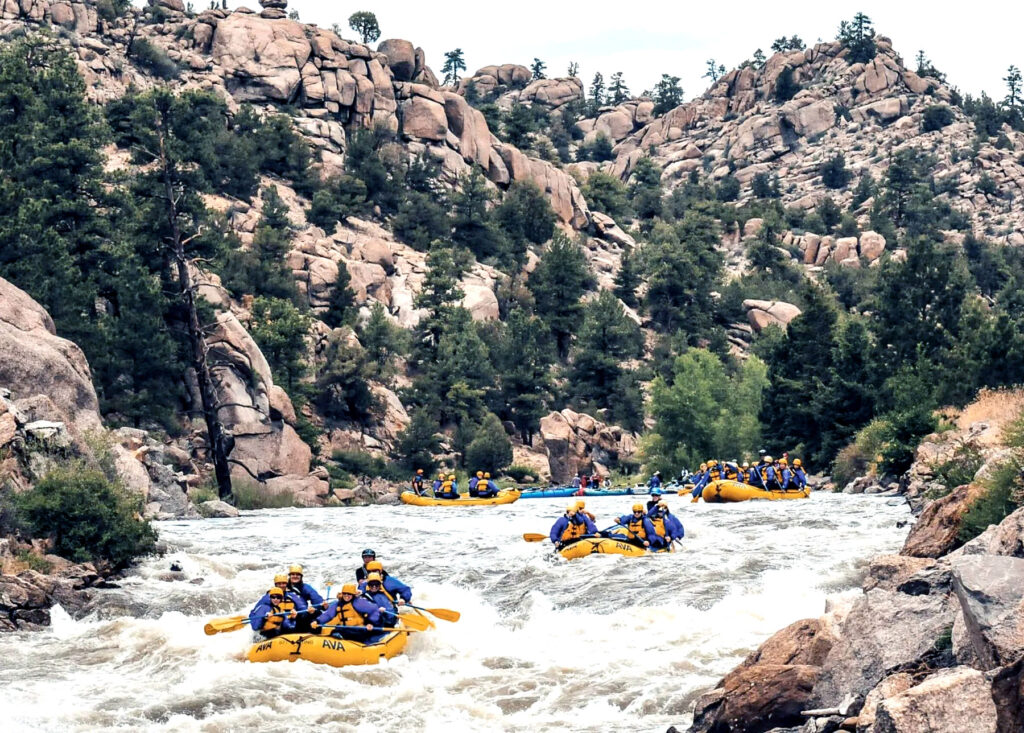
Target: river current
x=597, y=644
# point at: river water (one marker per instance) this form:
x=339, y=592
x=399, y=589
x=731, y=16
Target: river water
x=600, y=643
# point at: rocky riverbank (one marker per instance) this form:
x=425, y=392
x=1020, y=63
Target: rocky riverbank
x=934, y=642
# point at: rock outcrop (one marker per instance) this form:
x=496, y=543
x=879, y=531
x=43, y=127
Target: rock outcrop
x=576, y=442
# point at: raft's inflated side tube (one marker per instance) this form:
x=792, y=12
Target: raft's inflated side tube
x=506, y=496
x=327, y=649
x=569, y=491
x=729, y=491
x=604, y=546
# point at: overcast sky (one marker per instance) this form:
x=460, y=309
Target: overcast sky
x=972, y=44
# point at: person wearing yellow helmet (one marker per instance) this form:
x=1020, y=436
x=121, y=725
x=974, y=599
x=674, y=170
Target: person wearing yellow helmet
x=639, y=529
x=769, y=475
x=474, y=482
x=486, y=488
x=373, y=589
x=352, y=616
x=276, y=613
x=299, y=588
x=418, y=485
x=571, y=526
x=744, y=476
x=449, y=488
x=799, y=480
x=666, y=527
x=581, y=506
x=398, y=590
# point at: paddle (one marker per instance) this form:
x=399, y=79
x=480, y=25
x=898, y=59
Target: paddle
x=442, y=613
x=232, y=623
x=375, y=628
x=420, y=623
x=531, y=537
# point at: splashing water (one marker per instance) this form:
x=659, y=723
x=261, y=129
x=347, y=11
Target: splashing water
x=543, y=645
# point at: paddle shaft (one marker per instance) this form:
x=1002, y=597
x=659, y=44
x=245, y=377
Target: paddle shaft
x=375, y=628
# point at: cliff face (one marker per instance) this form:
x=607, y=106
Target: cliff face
x=868, y=112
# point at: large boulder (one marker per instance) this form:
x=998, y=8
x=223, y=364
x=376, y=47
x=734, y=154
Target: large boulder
x=764, y=313
x=957, y=699
x=884, y=631
x=35, y=362
x=756, y=699
x=401, y=58
x=261, y=59
x=1008, y=695
x=470, y=127
x=425, y=119
x=991, y=594
x=552, y=93
x=937, y=530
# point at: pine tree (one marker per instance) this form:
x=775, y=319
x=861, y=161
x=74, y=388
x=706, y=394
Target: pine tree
x=667, y=94
x=645, y=189
x=758, y=59
x=537, y=69
x=490, y=450
x=859, y=37
x=526, y=217
x=418, y=443
x=453, y=64
x=1013, y=86
x=473, y=225
x=365, y=24
x=628, y=279
x=558, y=282
x=280, y=329
x=523, y=355
x=341, y=308
x=597, y=95
x=383, y=342
x=618, y=91
x=262, y=269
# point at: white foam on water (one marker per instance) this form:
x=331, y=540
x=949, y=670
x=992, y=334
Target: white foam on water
x=544, y=644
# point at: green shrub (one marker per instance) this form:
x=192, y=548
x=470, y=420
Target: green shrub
x=861, y=457
x=88, y=517
x=252, y=495
x=490, y=450
x=1002, y=496
x=34, y=561
x=960, y=468
x=200, y=494
x=936, y=117
x=518, y=473
x=154, y=59
x=359, y=463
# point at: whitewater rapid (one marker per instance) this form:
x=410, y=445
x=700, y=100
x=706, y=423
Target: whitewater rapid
x=600, y=643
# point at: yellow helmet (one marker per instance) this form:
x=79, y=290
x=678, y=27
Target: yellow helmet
x=280, y=578
x=451, y=477
x=638, y=507
x=580, y=504
x=295, y=569
x=486, y=475
x=712, y=463
x=351, y=588
x=374, y=578
x=768, y=459
x=419, y=471
x=797, y=462
x=374, y=566
x=275, y=591
x=783, y=462
x=441, y=475
x=571, y=509
x=479, y=474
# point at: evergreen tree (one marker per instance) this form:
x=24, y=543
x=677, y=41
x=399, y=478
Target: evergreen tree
x=365, y=24
x=683, y=267
x=383, y=342
x=834, y=173
x=859, y=37
x=523, y=355
x=280, y=329
x=341, y=308
x=525, y=216
x=262, y=270
x=628, y=279
x=520, y=126
x=473, y=223
x=573, y=70
x=607, y=194
x=606, y=338
x=342, y=387
x=363, y=161
x=712, y=71
x=439, y=298
x=667, y=94
x=1013, y=86
x=557, y=284
x=339, y=199
x=537, y=69
x=597, y=95
x=758, y=59
x=645, y=190
x=490, y=450
x=618, y=92
x=453, y=64
x=418, y=443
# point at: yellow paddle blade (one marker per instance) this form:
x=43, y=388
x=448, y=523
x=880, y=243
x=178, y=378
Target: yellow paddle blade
x=530, y=537
x=415, y=621
x=225, y=623
x=684, y=492
x=444, y=614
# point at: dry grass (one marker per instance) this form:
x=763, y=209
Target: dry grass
x=998, y=408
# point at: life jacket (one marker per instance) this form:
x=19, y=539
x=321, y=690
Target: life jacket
x=417, y=483
x=636, y=528
x=345, y=614
x=731, y=473
x=659, y=524
x=275, y=621
x=446, y=487
x=714, y=474
x=574, y=530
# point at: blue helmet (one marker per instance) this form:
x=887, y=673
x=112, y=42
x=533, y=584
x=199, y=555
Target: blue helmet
x=369, y=553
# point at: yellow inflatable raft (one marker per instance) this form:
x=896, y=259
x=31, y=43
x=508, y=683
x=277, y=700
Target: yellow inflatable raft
x=506, y=496
x=604, y=546
x=327, y=649
x=729, y=491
